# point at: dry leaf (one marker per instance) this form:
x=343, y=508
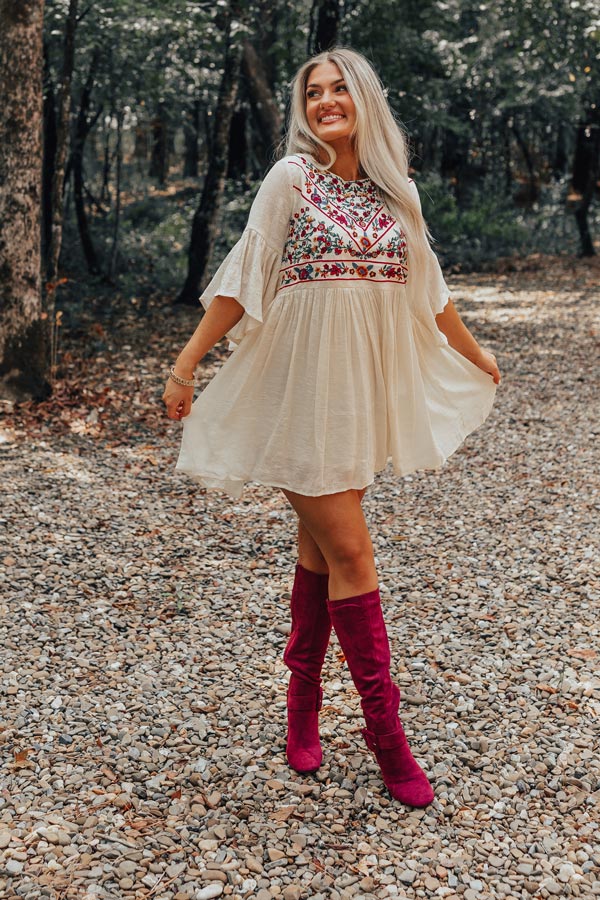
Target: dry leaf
x=582, y=652
x=21, y=761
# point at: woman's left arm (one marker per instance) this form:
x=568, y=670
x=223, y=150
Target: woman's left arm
x=460, y=339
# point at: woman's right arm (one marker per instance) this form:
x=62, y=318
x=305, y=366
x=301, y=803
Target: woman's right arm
x=222, y=314
x=237, y=298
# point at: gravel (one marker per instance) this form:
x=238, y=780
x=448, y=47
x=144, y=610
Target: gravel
x=142, y=687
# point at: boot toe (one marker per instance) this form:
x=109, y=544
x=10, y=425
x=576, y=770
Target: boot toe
x=303, y=760
x=415, y=792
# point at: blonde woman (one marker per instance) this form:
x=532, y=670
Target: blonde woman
x=348, y=354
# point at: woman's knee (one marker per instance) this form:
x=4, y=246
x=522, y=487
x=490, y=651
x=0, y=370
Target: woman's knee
x=337, y=525
x=350, y=553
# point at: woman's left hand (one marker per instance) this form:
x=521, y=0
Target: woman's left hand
x=487, y=363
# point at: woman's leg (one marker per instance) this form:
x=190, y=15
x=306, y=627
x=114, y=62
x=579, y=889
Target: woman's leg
x=338, y=528
x=305, y=652
x=309, y=553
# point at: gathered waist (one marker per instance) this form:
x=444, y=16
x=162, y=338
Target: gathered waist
x=350, y=287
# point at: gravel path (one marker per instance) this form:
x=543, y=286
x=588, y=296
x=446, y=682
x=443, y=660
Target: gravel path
x=142, y=688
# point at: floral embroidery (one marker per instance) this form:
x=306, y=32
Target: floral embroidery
x=343, y=231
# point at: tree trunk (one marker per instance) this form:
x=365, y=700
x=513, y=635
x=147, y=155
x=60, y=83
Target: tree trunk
x=324, y=24
x=508, y=171
x=159, y=162
x=561, y=156
x=23, y=335
x=204, y=224
x=532, y=193
x=63, y=119
x=82, y=129
x=49, y=152
x=105, y=198
x=191, y=131
x=119, y=153
x=237, y=158
x=142, y=145
x=264, y=108
x=586, y=167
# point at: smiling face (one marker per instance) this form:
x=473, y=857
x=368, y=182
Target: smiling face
x=330, y=109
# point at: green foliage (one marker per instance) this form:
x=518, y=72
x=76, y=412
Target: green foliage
x=156, y=248
x=488, y=225
x=157, y=234
x=485, y=227
x=490, y=93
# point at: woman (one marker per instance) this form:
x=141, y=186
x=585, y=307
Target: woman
x=349, y=354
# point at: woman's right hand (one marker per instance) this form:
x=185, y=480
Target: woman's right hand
x=178, y=399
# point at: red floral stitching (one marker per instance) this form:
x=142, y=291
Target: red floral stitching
x=341, y=219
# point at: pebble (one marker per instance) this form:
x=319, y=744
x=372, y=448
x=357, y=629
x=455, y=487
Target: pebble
x=13, y=866
x=407, y=876
x=525, y=868
x=127, y=866
x=292, y=892
x=253, y=864
x=214, y=875
x=566, y=872
x=208, y=892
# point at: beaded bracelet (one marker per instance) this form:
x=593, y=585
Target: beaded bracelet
x=186, y=382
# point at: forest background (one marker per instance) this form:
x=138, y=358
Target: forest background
x=134, y=136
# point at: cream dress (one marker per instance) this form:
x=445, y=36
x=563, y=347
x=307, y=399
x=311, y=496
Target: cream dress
x=338, y=366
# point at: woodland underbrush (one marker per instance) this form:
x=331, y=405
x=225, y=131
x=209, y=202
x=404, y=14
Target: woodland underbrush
x=155, y=225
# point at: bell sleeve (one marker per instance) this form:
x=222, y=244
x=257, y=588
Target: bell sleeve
x=250, y=271
x=438, y=292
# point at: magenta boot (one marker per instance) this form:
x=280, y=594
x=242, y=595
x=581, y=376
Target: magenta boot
x=358, y=623
x=304, y=655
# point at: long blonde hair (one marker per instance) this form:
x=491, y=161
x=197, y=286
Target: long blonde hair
x=378, y=139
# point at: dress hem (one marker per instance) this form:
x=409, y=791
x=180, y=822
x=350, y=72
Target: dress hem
x=469, y=424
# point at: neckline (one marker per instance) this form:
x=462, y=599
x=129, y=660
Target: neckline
x=346, y=180
x=328, y=172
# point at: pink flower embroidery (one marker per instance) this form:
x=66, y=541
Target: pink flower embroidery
x=336, y=234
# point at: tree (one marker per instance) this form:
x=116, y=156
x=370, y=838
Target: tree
x=63, y=122
x=324, y=24
x=266, y=113
x=23, y=343
x=205, y=218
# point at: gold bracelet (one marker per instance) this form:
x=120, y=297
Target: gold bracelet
x=186, y=382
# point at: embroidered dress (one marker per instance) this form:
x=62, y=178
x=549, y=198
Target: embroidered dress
x=338, y=366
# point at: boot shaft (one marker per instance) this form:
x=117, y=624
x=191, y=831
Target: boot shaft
x=360, y=628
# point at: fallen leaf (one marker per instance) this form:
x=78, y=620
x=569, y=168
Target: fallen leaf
x=582, y=652
x=21, y=761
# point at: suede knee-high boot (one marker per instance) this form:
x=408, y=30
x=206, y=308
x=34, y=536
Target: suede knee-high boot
x=359, y=625
x=304, y=656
